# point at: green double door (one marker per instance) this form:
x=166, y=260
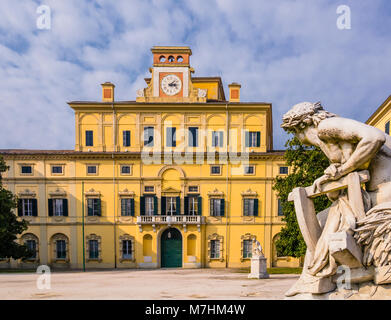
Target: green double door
x=171, y=249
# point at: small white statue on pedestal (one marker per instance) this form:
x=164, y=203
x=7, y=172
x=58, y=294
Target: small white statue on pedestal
x=258, y=262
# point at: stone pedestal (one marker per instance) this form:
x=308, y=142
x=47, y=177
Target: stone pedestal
x=258, y=268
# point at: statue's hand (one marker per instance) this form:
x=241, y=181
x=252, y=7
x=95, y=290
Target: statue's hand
x=318, y=182
x=333, y=171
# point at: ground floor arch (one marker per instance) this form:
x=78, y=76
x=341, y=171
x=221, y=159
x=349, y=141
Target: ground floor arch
x=171, y=248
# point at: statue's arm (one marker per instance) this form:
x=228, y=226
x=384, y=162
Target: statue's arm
x=367, y=140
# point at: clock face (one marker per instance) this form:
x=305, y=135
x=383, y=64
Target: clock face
x=171, y=84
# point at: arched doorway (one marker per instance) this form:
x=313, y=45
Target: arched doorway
x=171, y=248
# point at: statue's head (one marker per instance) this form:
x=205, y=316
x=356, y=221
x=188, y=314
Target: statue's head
x=303, y=115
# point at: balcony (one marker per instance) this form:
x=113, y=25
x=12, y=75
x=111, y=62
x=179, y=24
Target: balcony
x=170, y=220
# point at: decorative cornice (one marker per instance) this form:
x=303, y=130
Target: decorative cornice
x=215, y=193
x=27, y=193
x=126, y=192
x=92, y=193
x=249, y=193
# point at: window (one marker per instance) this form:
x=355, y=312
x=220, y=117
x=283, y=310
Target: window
x=126, y=138
x=61, y=249
x=26, y=169
x=91, y=169
x=193, y=206
x=27, y=207
x=149, y=206
x=249, y=170
x=127, y=207
x=32, y=247
x=193, y=188
x=171, y=206
x=387, y=127
x=148, y=136
x=283, y=170
x=125, y=169
x=56, y=169
x=149, y=189
x=93, y=249
x=58, y=208
x=193, y=137
x=89, y=138
x=250, y=207
x=94, y=207
x=280, y=212
x=247, y=248
x=127, y=249
x=215, y=249
x=217, y=207
x=253, y=139
x=215, y=170
x=171, y=137
x=217, y=138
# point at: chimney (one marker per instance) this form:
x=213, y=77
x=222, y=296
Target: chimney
x=234, y=92
x=107, y=92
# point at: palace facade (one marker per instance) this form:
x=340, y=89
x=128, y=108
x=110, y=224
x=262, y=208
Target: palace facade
x=180, y=177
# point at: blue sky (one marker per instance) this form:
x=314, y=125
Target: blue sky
x=281, y=51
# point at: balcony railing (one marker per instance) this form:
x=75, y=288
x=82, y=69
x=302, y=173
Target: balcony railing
x=170, y=220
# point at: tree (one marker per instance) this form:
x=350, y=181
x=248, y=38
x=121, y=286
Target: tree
x=307, y=164
x=10, y=227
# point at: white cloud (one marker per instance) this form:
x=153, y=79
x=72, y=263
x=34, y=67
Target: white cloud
x=281, y=51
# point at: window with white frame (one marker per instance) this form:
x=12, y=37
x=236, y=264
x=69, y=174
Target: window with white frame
x=249, y=169
x=216, y=207
x=149, y=206
x=93, y=249
x=126, y=246
x=215, y=170
x=127, y=207
x=61, y=249
x=250, y=207
x=125, y=169
x=193, y=206
x=57, y=169
x=149, y=189
x=127, y=249
x=92, y=169
x=171, y=206
x=215, y=249
x=247, y=248
x=283, y=170
x=26, y=169
x=27, y=205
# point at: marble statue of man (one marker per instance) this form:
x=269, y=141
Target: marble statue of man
x=350, y=146
x=257, y=249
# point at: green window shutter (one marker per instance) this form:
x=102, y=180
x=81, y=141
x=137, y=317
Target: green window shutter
x=89, y=205
x=50, y=207
x=99, y=207
x=35, y=209
x=258, y=139
x=178, y=206
x=142, y=206
x=186, y=206
x=222, y=204
x=199, y=206
x=245, y=207
x=154, y=205
x=163, y=206
x=65, y=207
x=247, y=139
x=20, y=207
x=221, y=138
x=132, y=207
x=256, y=207
x=123, y=207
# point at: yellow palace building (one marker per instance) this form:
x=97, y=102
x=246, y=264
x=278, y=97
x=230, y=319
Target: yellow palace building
x=180, y=177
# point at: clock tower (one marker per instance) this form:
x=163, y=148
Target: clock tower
x=171, y=77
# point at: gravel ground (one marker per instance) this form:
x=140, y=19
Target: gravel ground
x=155, y=284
